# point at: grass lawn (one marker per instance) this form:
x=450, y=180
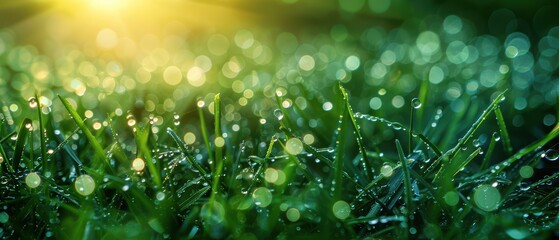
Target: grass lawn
x=379, y=119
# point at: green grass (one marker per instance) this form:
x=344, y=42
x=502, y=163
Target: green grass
x=208, y=190
x=424, y=126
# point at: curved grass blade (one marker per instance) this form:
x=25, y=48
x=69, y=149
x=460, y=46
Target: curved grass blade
x=204, y=130
x=431, y=145
x=476, y=125
x=356, y=129
x=193, y=197
x=7, y=137
x=340, y=151
x=98, y=151
x=142, y=137
x=187, y=156
x=218, y=149
x=5, y=159
x=488, y=154
x=527, y=150
x=503, y=130
x=455, y=168
x=407, y=182
x=42, y=134
x=20, y=143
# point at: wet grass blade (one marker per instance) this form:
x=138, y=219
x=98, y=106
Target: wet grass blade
x=547, y=199
x=503, y=130
x=357, y=130
x=98, y=151
x=189, y=159
x=527, y=150
x=5, y=160
x=20, y=143
x=142, y=137
x=476, y=124
x=489, y=152
x=193, y=197
x=454, y=168
x=431, y=145
x=218, y=149
x=7, y=137
x=205, y=137
x=340, y=151
x=407, y=180
x=42, y=134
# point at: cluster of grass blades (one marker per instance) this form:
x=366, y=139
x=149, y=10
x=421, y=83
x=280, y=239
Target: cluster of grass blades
x=86, y=183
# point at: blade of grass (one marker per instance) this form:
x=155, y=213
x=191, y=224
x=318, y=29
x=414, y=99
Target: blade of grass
x=410, y=135
x=190, y=159
x=455, y=168
x=5, y=158
x=431, y=145
x=7, y=137
x=193, y=197
x=218, y=149
x=423, y=93
x=407, y=184
x=98, y=151
x=525, y=151
x=340, y=148
x=206, y=139
x=503, y=130
x=142, y=136
x=357, y=130
x=20, y=143
x=489, y=152
x=264, y=161
x=477, y=124
x=42, y=134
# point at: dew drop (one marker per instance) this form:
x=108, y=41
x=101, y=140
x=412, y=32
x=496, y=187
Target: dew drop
x=476, y=143
x=416, y=103
x=160, y=196
x=32, y=102
x=551, y=154
x=279, y=114
x=496, y=136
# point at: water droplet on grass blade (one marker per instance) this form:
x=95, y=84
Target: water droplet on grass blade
x=32, y=180
x=496, y=136
x=84, y=185
x=551, y=154
x=279, y=114
x=160, y=196
x=416, y=103
x=32, y=102
x=476, y=143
